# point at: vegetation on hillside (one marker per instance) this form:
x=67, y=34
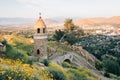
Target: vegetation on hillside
x=17, y=47
x=106, y=49
x=16, y=70
x=70, y=34
x=70, y=73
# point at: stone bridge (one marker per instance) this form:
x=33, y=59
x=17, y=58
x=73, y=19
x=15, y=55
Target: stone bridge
x=71, y=58
x=78, y=60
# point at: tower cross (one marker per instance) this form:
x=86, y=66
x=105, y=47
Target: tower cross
x=40, y=14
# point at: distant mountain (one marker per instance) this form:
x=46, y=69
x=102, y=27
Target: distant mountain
x=16, y=21
x=50, y=22
x=10, y=21
x=62, y=19
x=93, y=21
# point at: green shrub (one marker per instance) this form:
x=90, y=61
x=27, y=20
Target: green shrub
x=106, y=74
x=111, y=66
x=46, y=62
x=57, y=75
x=30, y=60
x=57, y=71
x=18, y=55
x=98, y=65
x=74, y=67
x=118, y=78
x=76, y=75
x=80, y=74
x=66, y=65
x=73, y=77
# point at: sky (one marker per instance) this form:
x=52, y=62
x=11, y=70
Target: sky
x=59, y=8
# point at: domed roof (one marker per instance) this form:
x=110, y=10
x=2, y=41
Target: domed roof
x=40, y=23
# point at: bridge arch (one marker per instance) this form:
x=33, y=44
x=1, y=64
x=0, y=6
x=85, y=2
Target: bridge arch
x=67, y=60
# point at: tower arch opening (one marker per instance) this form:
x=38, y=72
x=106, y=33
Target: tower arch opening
x=38, y=51
x=43, y=30
x=38, y=30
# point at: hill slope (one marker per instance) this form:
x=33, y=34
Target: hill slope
x=93, y=21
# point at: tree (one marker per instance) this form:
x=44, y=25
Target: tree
x=111, y=66
x=68, y=25
x=71, y=38
x=58, y=35
x=98, y=65
x=70, y=34
x=80, y=32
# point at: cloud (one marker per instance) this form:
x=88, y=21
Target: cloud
x=35, y=3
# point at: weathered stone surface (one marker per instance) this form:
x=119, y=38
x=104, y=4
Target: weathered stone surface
x=40, y=38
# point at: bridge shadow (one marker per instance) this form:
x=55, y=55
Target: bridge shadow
x=67, y=60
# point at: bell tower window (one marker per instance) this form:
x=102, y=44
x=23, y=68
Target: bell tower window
x=38, y=30
x=43, y=30
x=38, y=51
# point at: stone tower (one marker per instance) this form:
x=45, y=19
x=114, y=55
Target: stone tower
x=40, y=38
